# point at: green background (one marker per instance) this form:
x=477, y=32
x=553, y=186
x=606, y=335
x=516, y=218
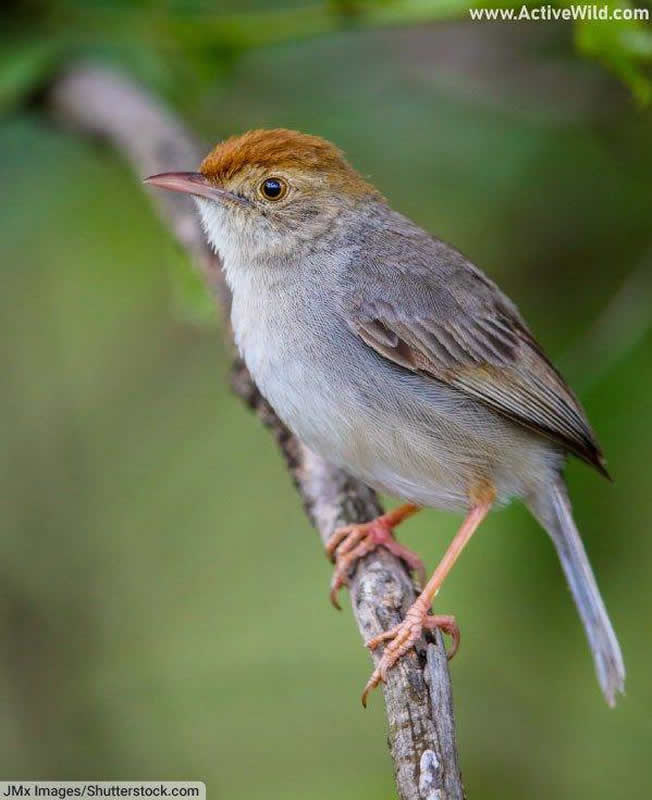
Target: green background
x=163, y=599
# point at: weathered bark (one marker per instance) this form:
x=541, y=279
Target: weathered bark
x=418, y=691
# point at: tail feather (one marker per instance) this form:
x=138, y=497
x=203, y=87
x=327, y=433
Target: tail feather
x=554, y=513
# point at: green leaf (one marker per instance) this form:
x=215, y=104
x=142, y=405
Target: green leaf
x=624, y=47
x=24, y=67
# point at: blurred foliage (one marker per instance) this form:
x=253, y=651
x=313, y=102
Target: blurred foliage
x=177, y=47
x=174, y=45
x=625, y=46
x=164, y=605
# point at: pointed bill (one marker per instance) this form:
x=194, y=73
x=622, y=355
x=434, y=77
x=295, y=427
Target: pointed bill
x=193, y=183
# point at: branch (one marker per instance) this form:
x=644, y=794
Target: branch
x=418, y=691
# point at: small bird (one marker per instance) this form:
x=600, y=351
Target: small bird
x=391, y=355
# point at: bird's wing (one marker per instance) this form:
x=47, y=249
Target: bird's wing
x=446, y=320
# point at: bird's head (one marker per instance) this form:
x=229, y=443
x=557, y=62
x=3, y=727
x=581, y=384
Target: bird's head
x=267, y=192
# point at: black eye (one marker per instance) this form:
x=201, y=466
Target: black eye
x=273, y=188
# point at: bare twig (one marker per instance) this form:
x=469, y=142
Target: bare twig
x=418, y=692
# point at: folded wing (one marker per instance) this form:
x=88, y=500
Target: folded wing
x=465, y=332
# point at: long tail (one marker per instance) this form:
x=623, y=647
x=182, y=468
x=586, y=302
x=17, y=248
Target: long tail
x=554, y=513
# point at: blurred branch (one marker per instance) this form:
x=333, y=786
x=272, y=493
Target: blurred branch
x=418, y=692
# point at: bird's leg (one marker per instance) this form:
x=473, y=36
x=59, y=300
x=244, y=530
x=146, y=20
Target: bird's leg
x=350, y=543
x=403, y=636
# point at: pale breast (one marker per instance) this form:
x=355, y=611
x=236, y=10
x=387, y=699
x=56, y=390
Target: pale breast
x=399, y=432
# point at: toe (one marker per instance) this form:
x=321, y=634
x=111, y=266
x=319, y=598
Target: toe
x=373, y=681
x=447, y=624
x=336, y=538
x=338, y=580
x=385, y=636
x=344, y=562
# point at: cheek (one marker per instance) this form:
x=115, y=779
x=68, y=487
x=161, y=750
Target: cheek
x=309, y=212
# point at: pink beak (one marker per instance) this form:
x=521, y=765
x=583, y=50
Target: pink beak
x=193, y=183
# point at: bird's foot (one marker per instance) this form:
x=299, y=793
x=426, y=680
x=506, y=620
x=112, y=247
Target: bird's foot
x=402, y=638
x=350, y=543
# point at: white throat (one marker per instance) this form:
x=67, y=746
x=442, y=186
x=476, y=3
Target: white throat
x=221, y=232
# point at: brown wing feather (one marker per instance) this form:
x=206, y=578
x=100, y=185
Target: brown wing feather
x=478, y=344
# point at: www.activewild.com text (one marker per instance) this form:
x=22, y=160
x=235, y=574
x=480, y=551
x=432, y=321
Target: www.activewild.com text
x=548, y=13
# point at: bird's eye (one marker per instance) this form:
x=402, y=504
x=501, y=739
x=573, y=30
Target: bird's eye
x=273, y=188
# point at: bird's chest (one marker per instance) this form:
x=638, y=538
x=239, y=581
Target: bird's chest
x=288, y=348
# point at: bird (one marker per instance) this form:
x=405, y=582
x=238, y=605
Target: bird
x=388, y=353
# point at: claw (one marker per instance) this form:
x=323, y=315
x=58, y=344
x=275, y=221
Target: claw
x=371, y=684
x=402, y=637
x=349, y=544
x=352, y=533
x=335, y=587
x=447, y=624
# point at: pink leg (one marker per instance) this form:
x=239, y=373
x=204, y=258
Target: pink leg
x=403, y=636
x=349, y=544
